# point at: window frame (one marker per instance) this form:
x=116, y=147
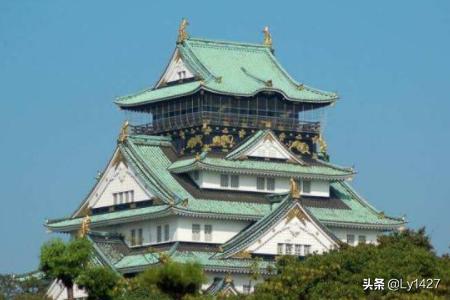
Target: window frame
x=208, y=228
x=196, y=234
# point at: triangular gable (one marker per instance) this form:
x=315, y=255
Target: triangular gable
x=264, y=144
x=222, y=286
x=117, y=177
x=289, y=224
x=176, y=70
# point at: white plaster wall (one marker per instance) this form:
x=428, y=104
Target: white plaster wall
x=117, y=179
x=180, y=229
x=319, y=189
x=371, y=235
x=211, y=180
x=293, y=232
x=222, y=230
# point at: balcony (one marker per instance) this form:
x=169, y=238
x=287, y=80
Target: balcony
x=223, y=119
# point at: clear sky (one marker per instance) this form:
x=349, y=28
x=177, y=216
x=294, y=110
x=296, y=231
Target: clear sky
x=63, y=62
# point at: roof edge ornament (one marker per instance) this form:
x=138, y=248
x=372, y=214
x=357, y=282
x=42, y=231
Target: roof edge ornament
x=295, y=192
x=123, y=135
x=267, y=37
x=182, y=32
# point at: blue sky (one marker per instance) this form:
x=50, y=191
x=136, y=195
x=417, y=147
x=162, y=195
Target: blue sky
x=63, y=62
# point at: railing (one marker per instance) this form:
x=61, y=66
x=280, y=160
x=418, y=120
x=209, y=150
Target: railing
x=222, y=119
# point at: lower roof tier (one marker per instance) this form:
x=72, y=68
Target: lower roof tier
x=151, y=157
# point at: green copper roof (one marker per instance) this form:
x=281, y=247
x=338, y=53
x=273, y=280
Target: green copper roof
x=206, y=259
x=146, y=157
x=242, y=240
x=230, y=68
x=258, y=167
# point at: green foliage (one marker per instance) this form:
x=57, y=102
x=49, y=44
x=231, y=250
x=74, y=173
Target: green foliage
x=170, y=280
x=99, y=282
x=339, y=274
x=65, y=261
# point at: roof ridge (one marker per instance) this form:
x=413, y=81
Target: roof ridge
x=226, y=42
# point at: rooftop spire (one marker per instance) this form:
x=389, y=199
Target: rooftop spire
x=267, y=37
x=182, y=33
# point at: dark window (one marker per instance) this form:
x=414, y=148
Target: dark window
x=140, y=237
x=306, y=186
x=271, y=184
x=133, y=237
x=350, y=239
x=260, y=183
x=196, y=232
x=234, y=181
x=223, y=180
x=158, y=234
x=208, y=233
x=361, y=239
x=166, y=232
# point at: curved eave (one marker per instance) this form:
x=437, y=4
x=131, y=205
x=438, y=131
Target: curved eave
x=198, y=165
x=205, y=267
x=121, y=104
x=52, y=225
x=376, y=226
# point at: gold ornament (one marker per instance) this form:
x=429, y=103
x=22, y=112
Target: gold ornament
x=223, y=141
x=123, y=132
x=242, y=133
x=194, y=141
x=301, y=147
x=295, y=192
x=282, y=137
x=85, y=226
x=296, y=212
x=182, y=33
x=267, y=37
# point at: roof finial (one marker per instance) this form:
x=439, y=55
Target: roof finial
x=123, y=132
x=267, y=37
x=85, y=226
x=295, y=192
x=182, y=33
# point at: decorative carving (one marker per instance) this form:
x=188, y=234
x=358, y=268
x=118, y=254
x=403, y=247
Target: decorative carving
x=182, y=32
x=123, y=132
x=228, y=279
x=206, y=129
x=299, y=146
x=85, y=226
x=194, y=142
x=267, y=37
x=242, y=133
x=206, y=148
x=224, y=141
x=296, y=212
x=182, y=134
x=243, y=254
x=295, y=191
x=282, y=137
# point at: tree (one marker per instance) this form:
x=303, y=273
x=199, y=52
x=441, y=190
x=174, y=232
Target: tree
x=98, y=282
x=340, y=273
x=65, y=261
x=170, y=280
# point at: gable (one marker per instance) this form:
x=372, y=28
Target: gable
x=176, y=70
x=117, y=185
x=264, y=144
x=268, y=148
x=296, y=229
